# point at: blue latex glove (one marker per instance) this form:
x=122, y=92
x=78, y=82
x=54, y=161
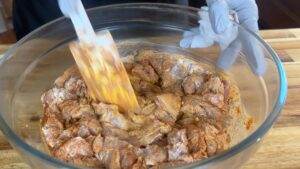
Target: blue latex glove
x=221, y=30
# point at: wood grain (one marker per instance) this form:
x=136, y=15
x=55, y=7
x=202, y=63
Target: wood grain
x=280, y=148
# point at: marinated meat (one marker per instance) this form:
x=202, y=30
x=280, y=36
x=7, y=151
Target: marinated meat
x=214, y=85
x=56, y=96
x=102, y=108
x=191, y=106
x=76, y=86
x=140, y=164
x=154, y=155
x=116, y=119
x=148, y=109
x=145, y=72
x=71, y=109
x=111, y=142
x=51, y=130
x=168, y=107
x=151, y=132
x=196, y=141
x=98, y=144
x=195, y=105
x=110, y=130
x=128, y=157
x=91, y=124
x=71, y=72
x=187, y=113
x=109, y=158
x=142, y=86
x=178, y=146
x=74, y=148
x=192, y=84
x=215, y=99
x=169, y=103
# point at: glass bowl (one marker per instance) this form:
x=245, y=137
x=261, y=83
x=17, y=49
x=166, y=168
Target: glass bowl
x=31, y=65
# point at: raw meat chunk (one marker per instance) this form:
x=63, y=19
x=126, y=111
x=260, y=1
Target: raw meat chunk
x=76, y=147
x=51, y=129
x=178, y=146
x=145, y=72
x=193, y=83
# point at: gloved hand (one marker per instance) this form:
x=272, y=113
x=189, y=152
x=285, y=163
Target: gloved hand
x=216, y=26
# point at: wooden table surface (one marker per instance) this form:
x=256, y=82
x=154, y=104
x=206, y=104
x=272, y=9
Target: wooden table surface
x=281, y=147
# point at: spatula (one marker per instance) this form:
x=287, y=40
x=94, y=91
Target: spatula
x=98, y=60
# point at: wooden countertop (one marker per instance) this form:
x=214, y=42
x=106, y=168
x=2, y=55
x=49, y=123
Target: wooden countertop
x=281, y=147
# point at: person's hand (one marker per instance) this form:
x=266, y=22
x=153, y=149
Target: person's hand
x=216, y=26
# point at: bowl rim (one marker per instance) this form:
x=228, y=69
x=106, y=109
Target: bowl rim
x=254, y=137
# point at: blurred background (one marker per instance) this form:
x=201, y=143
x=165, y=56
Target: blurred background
x=274, y=14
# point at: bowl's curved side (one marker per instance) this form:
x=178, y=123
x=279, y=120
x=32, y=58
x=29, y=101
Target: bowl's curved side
x=37, y=158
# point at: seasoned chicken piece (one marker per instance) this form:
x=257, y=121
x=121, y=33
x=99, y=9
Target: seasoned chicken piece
x=210, y=139
x=109, y=158
x=212, y=112
x=196, y=69
x=84, y=128
x=175, y=88
x=140, y=164
x=178, y=146
x=52, y=111
x=73, y=110
x=90, y=162
x=76, y=86
x=98, y=144
x=150, y=132
x=145, y=72
x=68, y=133
x=70, y=72
x=56, y=96
x=113, y=152
x=111, y=142
x=92, y=124
x=110, y=130
x=191, y=106
x=102, y=108
x=169, y=103
x=157, y=64
x=148, y=109
x=147, y=87
x=74, y=148
x=212, y=145
x=173, y=72
x=227, y=89
x=194, y=105
x=192, y=84
x=83, y=131
x=110, y=114
x=214, y=99
x=164, y=116
x=102, y=148
x=223, y=140
x=51, y=129
x=214, y=85
x=196, y=141
x=128, y=157
x=154, y=155
x=156, y=59
x=90, y=139
x=141, y=86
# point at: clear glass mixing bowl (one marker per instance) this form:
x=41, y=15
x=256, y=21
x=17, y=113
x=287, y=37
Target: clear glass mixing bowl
x=30, y=67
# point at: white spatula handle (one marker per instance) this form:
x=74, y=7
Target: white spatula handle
x=75, y=10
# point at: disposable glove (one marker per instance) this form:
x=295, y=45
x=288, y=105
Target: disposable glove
x=216, y=26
